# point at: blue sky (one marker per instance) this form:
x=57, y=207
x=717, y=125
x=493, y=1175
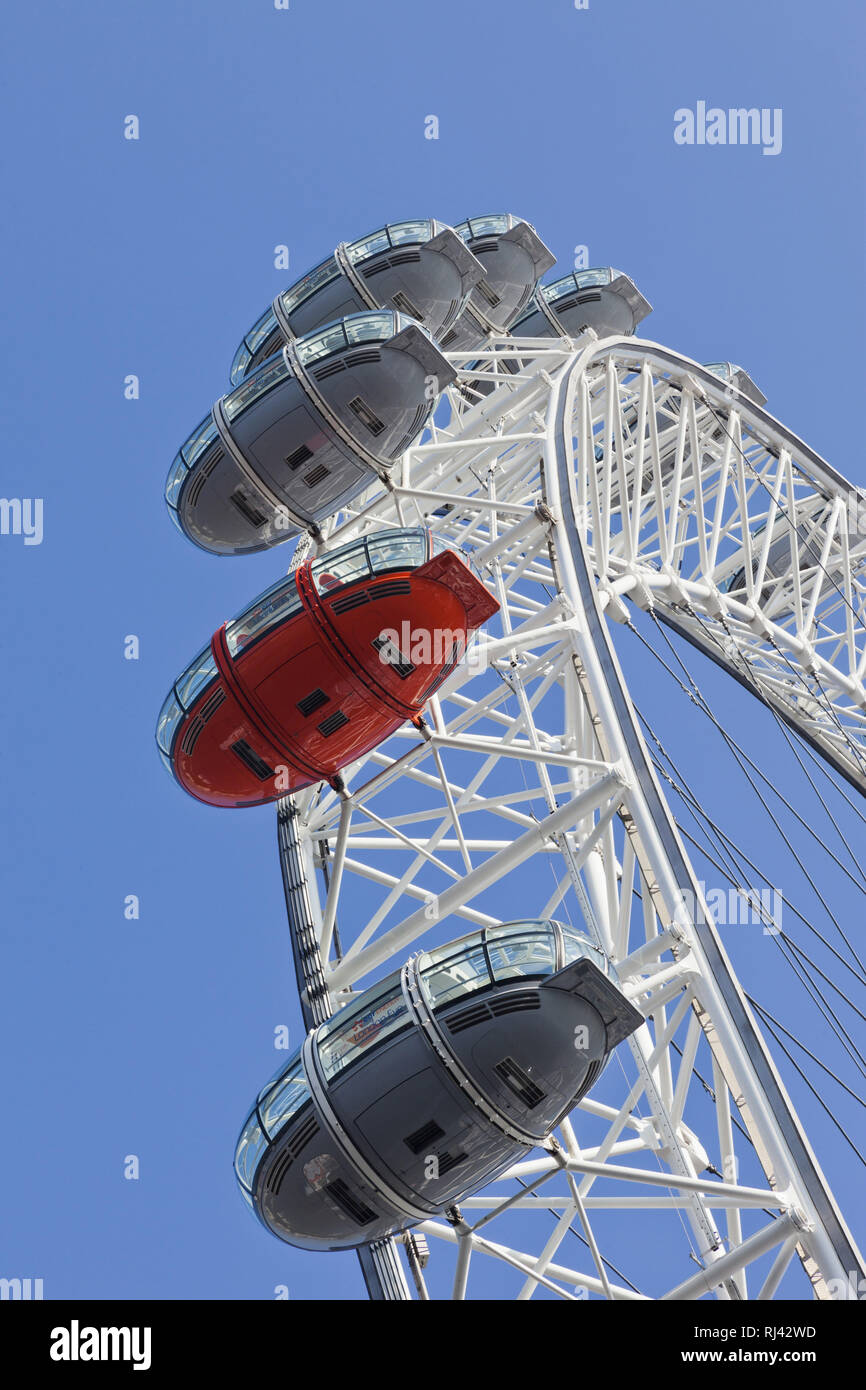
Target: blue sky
x=306, y=127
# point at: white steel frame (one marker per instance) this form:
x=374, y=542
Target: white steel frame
x=595, y=472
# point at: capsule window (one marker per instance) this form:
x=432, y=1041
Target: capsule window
x=261, y=330
x=270, y=609
x=196, y=676
x=170, y=719
x=175, y=481
x=346, y=1037
x=269, y=375
x=342, y=567
x=452, y=973
x=310, y=285
x=202, y=437
x=251, y=1145
x=484, y=226
x=284, y=1100
x=526, y=954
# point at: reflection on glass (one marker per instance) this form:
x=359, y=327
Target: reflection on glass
x=484, y=226
x=261, y=330
x=344, y=566
x=375, y=554
x=280, y=1102
x=271, y=372
x=251, y=1146
x=580, y=280
x=347, y=1036
x=397, y=550
x=196, y=676
x=203, y=435
x=368, y=246
x=576, y=946
x=270, y=608
x=310, y=285
x=175, y=480
x=363, y=328
x=454, y=970
x=170, y=717
x=240, y=362
x=513, y=953
x=401, y=232
x=499, y=954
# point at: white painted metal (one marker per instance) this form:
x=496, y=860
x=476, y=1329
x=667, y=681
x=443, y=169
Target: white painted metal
x=594, y=472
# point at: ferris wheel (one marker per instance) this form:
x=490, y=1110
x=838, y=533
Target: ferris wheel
x=494, y=864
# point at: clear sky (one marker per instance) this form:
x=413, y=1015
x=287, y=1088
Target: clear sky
x=305, y=127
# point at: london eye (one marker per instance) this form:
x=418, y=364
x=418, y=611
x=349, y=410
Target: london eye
x=526, y=1043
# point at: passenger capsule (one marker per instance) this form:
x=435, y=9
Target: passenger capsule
x=307, y=432
x=603, y=299
x=429, y=1084
x=514, y=259
x=321, y=668
x=739, y=378
x=423, y=269
x=777, y=591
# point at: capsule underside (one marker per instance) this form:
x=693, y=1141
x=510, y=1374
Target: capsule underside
x=401, y=1108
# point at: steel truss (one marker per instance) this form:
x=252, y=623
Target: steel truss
x=587, y=475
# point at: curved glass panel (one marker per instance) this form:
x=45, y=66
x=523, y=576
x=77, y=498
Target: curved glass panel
x=262, y=330
x=316, y=279
x=172, y=511
x=203, y=436
x=365, y=328
x=375, y=554
x=175, y=480
x=240, y=362
x=514, y=953
x=397, y=550
x=284, y=1099
x=581, y=280
x=401, y=232
x=378, y=1014
x=270, y=609
x=321, y=344
x=166, y=762
x=251, y=1145
x=454, y=970
x=368, y=246
x=197, y=675
x=170, y=719
x=269, y=375
x=484, y=226
x=343, y=566
x=576, y=946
